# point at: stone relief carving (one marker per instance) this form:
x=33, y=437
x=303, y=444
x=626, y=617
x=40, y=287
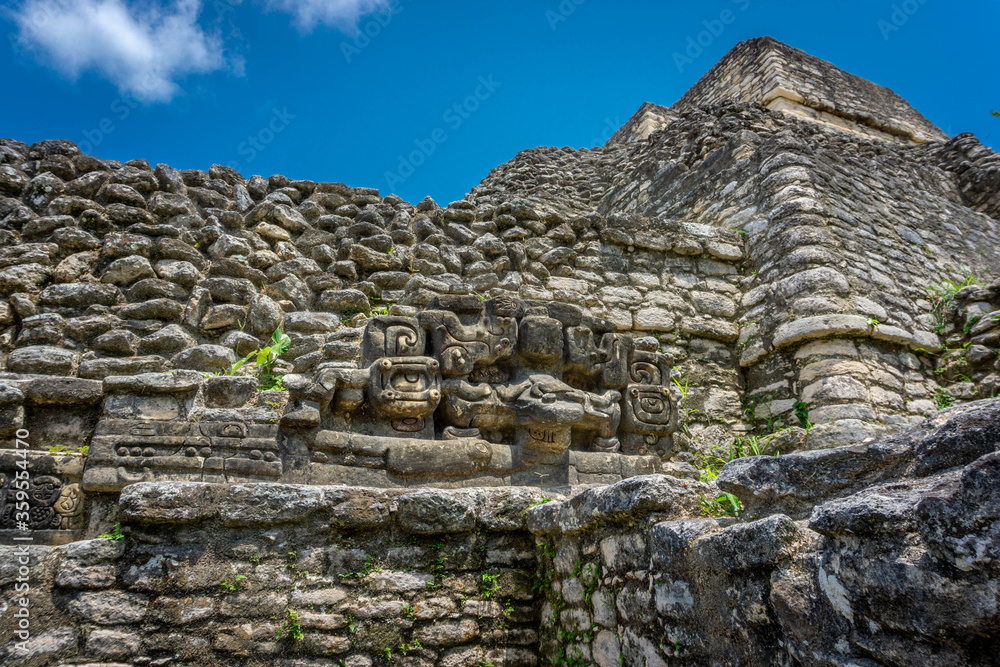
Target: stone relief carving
x=471, y=386
x=53, y=503
x=490, y=392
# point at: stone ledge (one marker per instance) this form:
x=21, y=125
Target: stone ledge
x=423, y=511
x=793, y=484
x=674, y=498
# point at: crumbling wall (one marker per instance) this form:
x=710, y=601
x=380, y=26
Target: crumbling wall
x=265, y=574
x=875, y=554
x=881, y=553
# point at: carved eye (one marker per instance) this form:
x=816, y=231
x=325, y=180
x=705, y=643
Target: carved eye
x=408, y=381
x=652, y=405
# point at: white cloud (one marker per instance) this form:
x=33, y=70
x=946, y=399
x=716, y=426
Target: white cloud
x=142, y=48
x=340, y=14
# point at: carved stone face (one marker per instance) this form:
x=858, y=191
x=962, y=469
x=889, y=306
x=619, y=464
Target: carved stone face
x=649, y=409
x=505, y=306
x=404, y=387
x=45, y=490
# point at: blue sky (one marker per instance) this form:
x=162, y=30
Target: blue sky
x=364, y=91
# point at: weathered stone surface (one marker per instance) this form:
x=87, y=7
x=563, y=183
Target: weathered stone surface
x=747, y=546
x=266, y=504
x=435, y=512
x=60, y=391
x=170, y=502
x=792, y=484
x=821, y=326
x=43, y=360
x=229, y=391
x=110, y=607
x=205, y=358
x=617, y=503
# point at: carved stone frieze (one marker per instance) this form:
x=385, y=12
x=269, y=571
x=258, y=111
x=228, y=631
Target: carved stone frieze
x=471, y=387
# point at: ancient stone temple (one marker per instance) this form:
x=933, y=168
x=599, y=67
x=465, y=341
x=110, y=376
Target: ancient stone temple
x=279, y=422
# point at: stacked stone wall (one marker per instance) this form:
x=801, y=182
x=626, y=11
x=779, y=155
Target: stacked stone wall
x=207, y=574
x=879, y=553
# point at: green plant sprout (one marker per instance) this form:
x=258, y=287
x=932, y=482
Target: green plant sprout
x=711, y=464
x=114, y=534
x=683, y=388
x=942, y=295
x=942, y=399
x=292, y=629
x=234, y=586
x=405, y=648
x=490, y=584
x=801, y=409
x=64, y=449
x=264, y=359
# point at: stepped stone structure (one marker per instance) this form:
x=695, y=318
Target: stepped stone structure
x=268, y=421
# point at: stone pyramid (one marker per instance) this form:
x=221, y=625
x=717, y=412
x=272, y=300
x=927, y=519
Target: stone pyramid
x=260, y=421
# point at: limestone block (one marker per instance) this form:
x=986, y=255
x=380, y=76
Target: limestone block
x=113, y=644
x=79, y=295
x=205, y=358
x=431, y=512
x=448, y=633
x=653, y=319
x=109, y=607
x=724, y=251
x=596, y=506
x=43, y=360
x=836, y=388
x=128, y=270
x=169, y=502
x=712, y=328
x=709, y=303
x=821, y=326
x=268, y=504
x=747, y=546
x=823, y=279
